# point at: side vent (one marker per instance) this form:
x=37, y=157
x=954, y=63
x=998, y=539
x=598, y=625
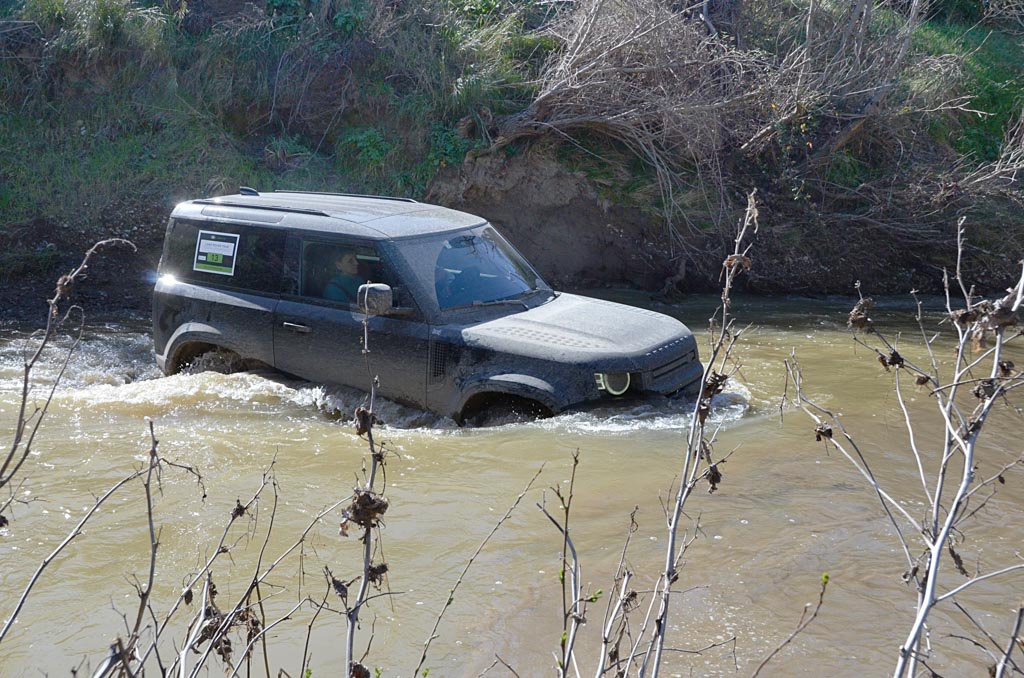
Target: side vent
x=440, y=358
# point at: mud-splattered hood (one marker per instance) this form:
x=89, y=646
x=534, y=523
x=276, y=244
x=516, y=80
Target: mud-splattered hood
x=575, y=329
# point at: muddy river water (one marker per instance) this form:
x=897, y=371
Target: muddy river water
x=786, y=512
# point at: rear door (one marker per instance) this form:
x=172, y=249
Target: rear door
x=318, y=329
x=225, y=276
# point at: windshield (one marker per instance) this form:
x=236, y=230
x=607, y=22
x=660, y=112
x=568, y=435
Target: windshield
x=470, y=268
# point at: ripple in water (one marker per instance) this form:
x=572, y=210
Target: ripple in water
x=114, y=370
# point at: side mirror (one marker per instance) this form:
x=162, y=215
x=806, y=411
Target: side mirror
x=375, y=299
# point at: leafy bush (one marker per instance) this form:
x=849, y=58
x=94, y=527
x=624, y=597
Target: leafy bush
x=367, y=146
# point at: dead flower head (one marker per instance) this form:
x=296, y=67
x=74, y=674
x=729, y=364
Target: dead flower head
x=365, y=510
x=375, y=573
x=364, y=420
x=985, y=389
x=714, y=384
x=822, y=431
x=859, y=319
x=714, y=478
x=736, y=262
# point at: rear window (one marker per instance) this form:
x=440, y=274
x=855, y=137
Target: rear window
x=225, y=255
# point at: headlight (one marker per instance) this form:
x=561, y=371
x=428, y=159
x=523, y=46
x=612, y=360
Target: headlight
x=614, y=384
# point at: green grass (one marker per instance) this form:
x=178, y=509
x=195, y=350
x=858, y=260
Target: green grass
x=994, y=74
x=71, y=165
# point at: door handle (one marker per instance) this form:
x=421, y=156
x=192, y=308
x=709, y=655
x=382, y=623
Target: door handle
x=295, y=327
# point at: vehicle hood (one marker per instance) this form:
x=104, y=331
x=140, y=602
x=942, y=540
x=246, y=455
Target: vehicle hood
x=576, y=329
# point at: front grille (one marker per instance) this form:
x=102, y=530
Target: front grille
x=675, y=374
x=669, y=367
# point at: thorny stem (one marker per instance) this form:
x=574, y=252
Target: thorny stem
x=203, y=571
x=731, y=267
x=145, y=593
x=193, y=635
x=572, y=613
x=352, y=613
x=888, y=502
x=614, y=608
x=228, y=619
x=961, y=434
x=929, y=599
x=309, y=630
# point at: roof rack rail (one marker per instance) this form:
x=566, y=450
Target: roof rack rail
x=219, y=202
x=352, y=195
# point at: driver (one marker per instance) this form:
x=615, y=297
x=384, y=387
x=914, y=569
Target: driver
x=344, y=286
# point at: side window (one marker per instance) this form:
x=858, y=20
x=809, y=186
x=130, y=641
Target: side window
x=228, y=255
x=333, y=271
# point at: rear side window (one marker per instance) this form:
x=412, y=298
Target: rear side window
x=225, y=255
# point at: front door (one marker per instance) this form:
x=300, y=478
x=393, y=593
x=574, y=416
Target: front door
x=318, y=329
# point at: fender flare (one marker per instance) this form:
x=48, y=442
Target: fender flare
x=520, y=385
x=188, y=333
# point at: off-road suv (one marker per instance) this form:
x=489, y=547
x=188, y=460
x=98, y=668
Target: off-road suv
x=459, y=320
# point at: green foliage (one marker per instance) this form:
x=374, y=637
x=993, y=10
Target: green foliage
x=288, y=9
x=71, y=164
x=447, y=147
x=51, y=15
x=994, y=75
x=350, y=19
x=619, y=175
x=846, y=170
x=478, y=9
x=367, y=146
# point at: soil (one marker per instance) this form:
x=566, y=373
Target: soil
x=557, y=219
x=117, y=281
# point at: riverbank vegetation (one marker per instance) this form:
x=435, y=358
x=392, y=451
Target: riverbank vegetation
x=866, y=127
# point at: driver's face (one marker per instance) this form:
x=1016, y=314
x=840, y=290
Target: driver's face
x=348, y=264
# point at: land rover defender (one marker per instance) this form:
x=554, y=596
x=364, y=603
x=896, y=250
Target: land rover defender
x=458, y=320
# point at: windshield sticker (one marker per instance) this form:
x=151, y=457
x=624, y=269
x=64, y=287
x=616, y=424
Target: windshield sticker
x=215, y=252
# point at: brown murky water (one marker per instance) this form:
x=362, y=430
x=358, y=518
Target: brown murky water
x=786, y=512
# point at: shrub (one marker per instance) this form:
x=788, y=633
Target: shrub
x=367, y=146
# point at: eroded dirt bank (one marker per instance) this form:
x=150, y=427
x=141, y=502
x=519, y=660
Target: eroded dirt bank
x=560, y=220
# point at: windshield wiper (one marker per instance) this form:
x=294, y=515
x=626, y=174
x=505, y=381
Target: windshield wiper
x=502, y=302
x=494, y=302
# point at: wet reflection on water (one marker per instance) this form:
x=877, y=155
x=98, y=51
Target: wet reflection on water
x=786, y=511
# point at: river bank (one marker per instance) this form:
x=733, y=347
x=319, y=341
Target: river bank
x=574, y=237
